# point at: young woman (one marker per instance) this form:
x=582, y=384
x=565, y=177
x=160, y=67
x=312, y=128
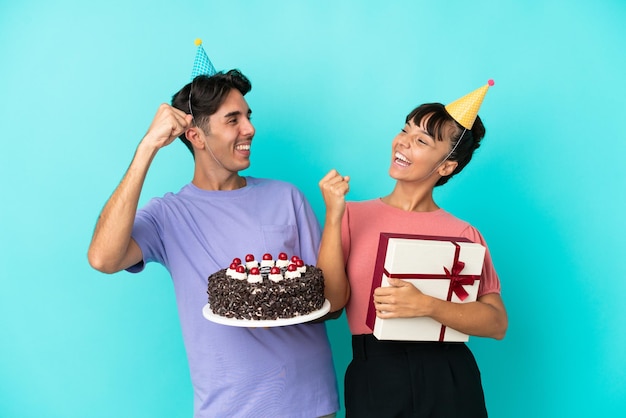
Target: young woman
x=399, y=378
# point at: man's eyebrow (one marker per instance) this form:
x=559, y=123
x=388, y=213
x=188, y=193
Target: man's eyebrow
x=236, y=113
x=233, y=113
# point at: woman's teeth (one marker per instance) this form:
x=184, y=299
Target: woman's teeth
x=402, y=160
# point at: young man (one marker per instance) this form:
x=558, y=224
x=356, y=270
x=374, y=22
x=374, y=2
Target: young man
x=271, y=372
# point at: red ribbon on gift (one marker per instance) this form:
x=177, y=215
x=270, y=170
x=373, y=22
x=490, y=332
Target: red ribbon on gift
x=456, y=280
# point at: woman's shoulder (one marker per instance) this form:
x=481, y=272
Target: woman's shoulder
x=364, y=204
x=459, y=227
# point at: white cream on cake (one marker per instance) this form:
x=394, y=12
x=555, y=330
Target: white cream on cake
x=283, y=260
x=267, y=261
x=251, y=262
x=254, y=276
x=275, y=275
x=301, y=266
x=292, y=272
x=236, y=270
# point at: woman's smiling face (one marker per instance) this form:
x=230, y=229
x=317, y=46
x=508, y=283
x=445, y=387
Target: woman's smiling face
x=416, y=155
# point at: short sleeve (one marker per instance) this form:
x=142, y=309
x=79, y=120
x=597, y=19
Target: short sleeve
x=147, y=233
x=489, y=281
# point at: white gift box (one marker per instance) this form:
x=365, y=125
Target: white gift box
x=447, y=268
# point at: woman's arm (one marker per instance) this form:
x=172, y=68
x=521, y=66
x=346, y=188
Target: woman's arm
x=486, y=317
x=334, y=188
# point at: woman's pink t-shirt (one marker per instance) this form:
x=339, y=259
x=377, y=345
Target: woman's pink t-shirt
x=362, y=224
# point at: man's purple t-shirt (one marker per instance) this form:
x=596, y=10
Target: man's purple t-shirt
x=261, y=372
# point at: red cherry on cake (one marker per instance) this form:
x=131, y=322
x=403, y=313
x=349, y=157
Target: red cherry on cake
x=236, y=261
x=267, y=256
x=299, y=263
x=249, y=257
x=292, y=267
x=274, y=270
x=282, y=256
x=254, y=270
x=233, y=266
x=295, y=258
x=241, y=269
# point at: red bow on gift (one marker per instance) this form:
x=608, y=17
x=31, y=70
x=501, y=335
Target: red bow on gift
x=456, y=281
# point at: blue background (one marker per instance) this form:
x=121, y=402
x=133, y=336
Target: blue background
x=332, y=82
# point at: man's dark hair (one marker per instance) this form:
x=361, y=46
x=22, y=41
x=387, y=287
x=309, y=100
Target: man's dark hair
x=205, y=94
x=442, y=126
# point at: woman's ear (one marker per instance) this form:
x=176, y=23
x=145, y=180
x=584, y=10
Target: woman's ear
x=447, y=168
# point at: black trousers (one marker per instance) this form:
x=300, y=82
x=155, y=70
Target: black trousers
x=412, y=379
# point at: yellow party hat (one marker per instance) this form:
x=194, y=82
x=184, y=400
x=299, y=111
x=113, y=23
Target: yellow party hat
x=465, y=109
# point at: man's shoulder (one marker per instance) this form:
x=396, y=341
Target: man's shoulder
x=166, y=200
x=273, y=184
x=267, y=181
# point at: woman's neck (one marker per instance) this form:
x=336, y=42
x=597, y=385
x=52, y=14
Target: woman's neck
x=412, y=198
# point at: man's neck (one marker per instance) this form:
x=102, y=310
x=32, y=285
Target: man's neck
x=216, y=182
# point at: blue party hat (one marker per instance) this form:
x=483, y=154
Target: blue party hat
x=202, y=64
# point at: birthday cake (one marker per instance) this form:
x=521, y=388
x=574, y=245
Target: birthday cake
x=269, y=290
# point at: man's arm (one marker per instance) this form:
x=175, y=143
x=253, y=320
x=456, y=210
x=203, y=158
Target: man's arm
x=112, y=249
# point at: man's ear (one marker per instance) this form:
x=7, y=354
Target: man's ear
x=447, y=168
x=195, y=136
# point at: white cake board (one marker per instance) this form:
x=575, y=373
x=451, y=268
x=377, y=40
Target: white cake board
x=265, y=323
